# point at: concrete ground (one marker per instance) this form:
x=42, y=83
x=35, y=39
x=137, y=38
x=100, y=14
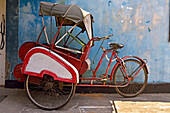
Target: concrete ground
x=15, y=101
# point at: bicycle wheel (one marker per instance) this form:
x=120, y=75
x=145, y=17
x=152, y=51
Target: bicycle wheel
x=137, y=85
x=47, y=93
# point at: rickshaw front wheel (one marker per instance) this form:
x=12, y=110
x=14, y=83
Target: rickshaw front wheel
x=47, y=93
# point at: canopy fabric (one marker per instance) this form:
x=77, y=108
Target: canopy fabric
x=71, y=13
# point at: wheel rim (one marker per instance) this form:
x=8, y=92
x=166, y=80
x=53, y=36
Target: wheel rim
x=136, y=85
x=47, y=93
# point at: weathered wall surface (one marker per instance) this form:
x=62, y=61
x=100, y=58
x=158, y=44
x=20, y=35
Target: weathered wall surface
x=2, y=42
x=12, y=8
x=30, y=23
x=142, y=26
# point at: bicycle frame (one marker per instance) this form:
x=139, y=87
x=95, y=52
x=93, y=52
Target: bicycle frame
x=119, y=62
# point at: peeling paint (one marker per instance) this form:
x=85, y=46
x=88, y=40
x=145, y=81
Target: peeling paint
x=149, y=29
x=7, y=70
x=109, y=3
x=131, y=8
x=130, y=21
x=12, y=8
x=123, y=3
x=125, y=26
x=156, y=19
x=27, y=8
x=148, y=22
x=141, y=37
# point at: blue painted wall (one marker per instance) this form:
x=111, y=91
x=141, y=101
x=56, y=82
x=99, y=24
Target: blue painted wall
x=12, y=9
x=142, y=26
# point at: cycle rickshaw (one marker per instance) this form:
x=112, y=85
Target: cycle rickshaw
x=52, y=70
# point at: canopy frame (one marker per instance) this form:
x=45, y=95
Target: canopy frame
x=66, y=17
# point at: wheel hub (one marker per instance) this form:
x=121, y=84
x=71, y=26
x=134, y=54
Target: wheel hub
x=48, y=85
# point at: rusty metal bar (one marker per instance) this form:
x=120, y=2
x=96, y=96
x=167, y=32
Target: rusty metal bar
x=40, y=34
x=65, y=34
x=45, y=30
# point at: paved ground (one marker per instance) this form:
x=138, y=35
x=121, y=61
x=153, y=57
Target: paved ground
x=15, y=101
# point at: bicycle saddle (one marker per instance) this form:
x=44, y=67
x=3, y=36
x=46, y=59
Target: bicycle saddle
x=115, y=45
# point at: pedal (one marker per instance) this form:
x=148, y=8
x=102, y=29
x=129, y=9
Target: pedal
x=105, y=79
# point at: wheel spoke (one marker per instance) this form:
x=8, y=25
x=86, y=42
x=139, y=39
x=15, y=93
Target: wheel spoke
x=137, y=84
x=48, y=95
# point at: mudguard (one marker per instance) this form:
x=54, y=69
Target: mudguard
x=124, y=58
x=40, y=61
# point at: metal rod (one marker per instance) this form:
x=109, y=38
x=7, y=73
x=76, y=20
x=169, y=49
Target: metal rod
x=99, y=63
x=45, y=30
x=98, y=51
x=91, y=85
x=65, y=34
x=68, y=38
x=109, y=63
x=75, y=38
x=90, y=78
x=57, y=33
x=121, y=65
x=68, y=49
x=40, y=34
x=138, y=70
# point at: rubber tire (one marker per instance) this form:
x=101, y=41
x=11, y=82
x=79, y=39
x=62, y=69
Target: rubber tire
x=47, y=108
x=142, y=88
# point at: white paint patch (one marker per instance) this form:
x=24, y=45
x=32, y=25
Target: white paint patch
x=102, y=109
x=121, y=21
x=122, y=6
x=141, y=37
x=142, y=107
x=113, y=108
x=161, y=107
x=164, y=107
x=94, y=107
x=130, y=8
x=27, y=9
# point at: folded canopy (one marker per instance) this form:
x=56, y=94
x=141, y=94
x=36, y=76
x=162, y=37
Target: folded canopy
x=71, y=13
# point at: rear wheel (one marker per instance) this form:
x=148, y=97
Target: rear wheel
x=136, y=85
x=47, y=93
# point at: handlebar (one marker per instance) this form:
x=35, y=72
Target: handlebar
x=99, y=38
